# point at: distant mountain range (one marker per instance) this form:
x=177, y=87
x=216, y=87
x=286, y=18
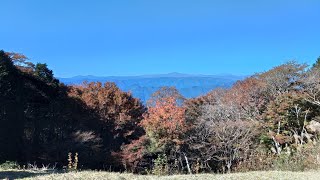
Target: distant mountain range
x=143, y=86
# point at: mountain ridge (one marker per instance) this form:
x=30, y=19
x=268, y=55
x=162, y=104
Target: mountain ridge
x=143, y=86
x=171, y=75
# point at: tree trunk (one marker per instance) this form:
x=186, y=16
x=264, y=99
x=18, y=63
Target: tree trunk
x=188, y=166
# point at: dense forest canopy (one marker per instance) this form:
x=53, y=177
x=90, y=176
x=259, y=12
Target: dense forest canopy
x=250, y=126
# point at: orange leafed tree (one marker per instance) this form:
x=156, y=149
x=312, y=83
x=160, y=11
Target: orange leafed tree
x=165, y=125
x=166, y=120
x=119, y=115
x=21, y=62
x=113, y=105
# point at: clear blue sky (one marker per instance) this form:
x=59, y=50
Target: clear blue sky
x=132, y=37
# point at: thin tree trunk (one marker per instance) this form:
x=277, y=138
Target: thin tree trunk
x=188, y=166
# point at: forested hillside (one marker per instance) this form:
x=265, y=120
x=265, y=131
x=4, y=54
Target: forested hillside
x=268, y=121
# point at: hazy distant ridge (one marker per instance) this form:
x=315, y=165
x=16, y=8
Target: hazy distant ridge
x=143, y=86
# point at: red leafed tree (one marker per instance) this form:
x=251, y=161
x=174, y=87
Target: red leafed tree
x=119, y=115
x=114, y=106
x=165, y=121
x=133, y=154
x=165, y=125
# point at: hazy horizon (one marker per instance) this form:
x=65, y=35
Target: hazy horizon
x=170, y=74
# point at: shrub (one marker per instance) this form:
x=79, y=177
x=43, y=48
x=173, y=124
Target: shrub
x=9, y=165
x=160, y=165
x=306, y=157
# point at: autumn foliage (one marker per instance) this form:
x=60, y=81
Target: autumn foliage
x=267, y=121
x=165, y=126
x=165, y=120
x=113, y=106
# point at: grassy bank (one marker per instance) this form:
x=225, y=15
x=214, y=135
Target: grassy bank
x=18, y=174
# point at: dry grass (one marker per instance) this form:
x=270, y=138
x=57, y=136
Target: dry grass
x=16, y=174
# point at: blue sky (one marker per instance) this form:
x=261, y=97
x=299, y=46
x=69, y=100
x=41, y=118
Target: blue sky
x=133, y=37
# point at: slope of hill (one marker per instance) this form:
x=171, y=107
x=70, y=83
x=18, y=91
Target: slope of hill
x=143, y=86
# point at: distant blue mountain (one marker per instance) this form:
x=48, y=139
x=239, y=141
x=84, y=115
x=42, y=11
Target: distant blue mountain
x=143, y=86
